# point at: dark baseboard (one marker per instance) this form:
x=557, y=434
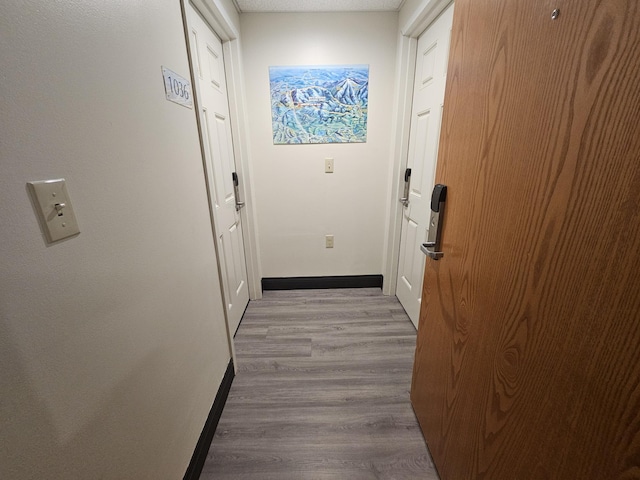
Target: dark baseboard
x=343, y=281
x=206, y=437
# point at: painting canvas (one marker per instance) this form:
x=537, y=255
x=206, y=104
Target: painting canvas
x=319, y=104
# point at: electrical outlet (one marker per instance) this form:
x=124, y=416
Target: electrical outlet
x=328, y=165
x=328, y=241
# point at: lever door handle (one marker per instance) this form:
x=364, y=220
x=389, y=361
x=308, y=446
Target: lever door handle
x=432, y=246
x=236, y=191
x=426, y=249
x=405, y=195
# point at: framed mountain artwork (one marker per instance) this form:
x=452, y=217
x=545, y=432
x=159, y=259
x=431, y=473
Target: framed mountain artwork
x=319, y=104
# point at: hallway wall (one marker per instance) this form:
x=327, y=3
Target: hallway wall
x=297, y=203
x=112, y=343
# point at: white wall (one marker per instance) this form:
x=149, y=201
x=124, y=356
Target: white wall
x=228, y=11
x=297, y=203
x=113, y=343
x=416, y=15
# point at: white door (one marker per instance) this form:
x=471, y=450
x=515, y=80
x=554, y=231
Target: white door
x=426, y=115
x=206, y=52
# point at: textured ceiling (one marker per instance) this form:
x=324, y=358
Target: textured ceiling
x=248, y=6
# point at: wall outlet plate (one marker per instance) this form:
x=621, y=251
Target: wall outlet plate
x=328, y=241
x=53, y=204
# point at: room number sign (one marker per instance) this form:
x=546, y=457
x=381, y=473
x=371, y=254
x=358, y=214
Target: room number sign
x=177, y=88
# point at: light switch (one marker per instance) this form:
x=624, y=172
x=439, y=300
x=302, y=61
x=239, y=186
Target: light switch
x=54, y=207
x=328, y=165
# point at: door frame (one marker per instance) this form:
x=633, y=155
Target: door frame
x=408, y=35
x=234, y=73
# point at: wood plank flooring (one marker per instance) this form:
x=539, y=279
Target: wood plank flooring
x=322, y=391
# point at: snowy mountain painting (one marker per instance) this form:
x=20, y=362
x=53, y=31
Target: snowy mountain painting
x=319, y=104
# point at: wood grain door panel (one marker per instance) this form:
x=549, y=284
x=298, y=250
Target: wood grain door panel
x=528, y=356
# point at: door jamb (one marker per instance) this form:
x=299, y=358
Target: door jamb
x=234, y=73
x=196, y=106
x=424, y=15
x=239, y=127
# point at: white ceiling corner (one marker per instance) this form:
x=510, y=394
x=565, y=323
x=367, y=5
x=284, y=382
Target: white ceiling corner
x=273, y=6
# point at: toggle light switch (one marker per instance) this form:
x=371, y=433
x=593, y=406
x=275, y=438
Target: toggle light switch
x=54, y=207
x=328, y=165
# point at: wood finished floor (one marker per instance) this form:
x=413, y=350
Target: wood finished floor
x=322, y=391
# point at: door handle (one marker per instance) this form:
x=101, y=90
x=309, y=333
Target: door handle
x=405, y=196
x=236, y=191
x=432, y=246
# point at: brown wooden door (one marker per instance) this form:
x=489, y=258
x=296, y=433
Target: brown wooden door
x=528, y=356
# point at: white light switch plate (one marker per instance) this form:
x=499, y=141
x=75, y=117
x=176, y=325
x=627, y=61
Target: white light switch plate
x=328, y=165
x=54, y=206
